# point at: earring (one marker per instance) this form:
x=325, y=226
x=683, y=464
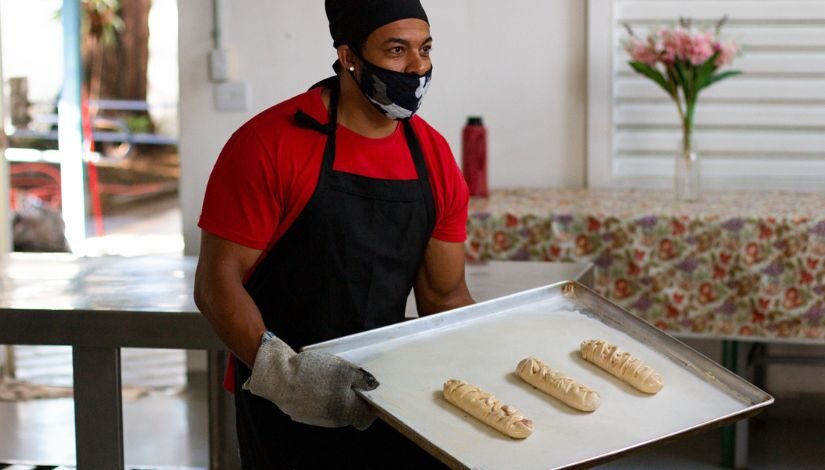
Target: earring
x=352, y=68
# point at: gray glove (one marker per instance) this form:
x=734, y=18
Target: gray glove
x=312, y=388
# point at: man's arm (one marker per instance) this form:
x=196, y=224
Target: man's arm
x=222, y=299
x=312, y=388
x=440, y=284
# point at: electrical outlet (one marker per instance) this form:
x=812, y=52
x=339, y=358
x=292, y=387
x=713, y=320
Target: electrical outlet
x=231, y=96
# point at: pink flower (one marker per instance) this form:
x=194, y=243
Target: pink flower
x=684, y=53
x=727, y=52
x=669, y=47
x=641, y=52
x=684, y=43
x=700, y=49
x=676, y=44
x=679, y=43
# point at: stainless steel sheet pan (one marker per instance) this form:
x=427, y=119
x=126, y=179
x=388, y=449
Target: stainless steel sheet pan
x=482, y=344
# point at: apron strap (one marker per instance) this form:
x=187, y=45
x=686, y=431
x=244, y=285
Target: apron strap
x=329, y=149
x=415, y=150
x=306, y=121
x=421, y=167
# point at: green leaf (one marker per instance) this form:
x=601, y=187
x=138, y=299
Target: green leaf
x=684, y=78
x=674, y=80
x=680, y=74
x=722, y=76
x=653, y=74
x=705, y=72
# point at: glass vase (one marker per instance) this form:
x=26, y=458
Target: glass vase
x=687, y=175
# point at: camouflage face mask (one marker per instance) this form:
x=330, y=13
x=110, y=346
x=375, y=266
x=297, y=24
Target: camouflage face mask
x=397, y=95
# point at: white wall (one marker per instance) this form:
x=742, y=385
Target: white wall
x=520, y=66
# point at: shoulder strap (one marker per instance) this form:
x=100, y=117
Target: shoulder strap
x=306, y=121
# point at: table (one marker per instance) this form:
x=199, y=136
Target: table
x=99, y=305
x=735, y=265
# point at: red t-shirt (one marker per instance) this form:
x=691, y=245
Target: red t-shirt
x=269, y=168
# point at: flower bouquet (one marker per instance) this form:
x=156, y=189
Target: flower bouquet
x=683, y=62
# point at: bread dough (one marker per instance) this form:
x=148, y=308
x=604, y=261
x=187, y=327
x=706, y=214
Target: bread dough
x=486, y=408
x=562, y=387
x=622, y=364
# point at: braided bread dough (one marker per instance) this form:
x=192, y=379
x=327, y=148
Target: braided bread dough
x=538, y=374
x=622, y=364
x=487, y=409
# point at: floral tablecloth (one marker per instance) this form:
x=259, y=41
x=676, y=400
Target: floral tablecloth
x=734, y=264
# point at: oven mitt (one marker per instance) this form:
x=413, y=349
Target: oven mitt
x=312, y=388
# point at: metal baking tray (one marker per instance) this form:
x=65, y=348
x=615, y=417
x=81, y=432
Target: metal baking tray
x=482, y=344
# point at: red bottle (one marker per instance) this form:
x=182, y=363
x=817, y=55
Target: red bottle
x=474, y=156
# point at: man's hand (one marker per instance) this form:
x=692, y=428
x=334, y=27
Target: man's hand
x=312, y=388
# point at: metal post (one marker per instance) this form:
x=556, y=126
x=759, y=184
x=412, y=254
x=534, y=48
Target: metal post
x=734, y=436
x=98, y=408
x=728, y=432
x=223, y=445
x=70, y=130
x=5, y=220
x=9, y=371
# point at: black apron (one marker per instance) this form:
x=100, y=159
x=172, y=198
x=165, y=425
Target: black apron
x=347, y=264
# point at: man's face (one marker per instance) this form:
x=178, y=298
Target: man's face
x=401, y=46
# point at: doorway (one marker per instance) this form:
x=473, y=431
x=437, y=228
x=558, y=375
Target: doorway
x=131, y=168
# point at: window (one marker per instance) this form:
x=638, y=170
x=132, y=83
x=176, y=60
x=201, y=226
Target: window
x=764, y=129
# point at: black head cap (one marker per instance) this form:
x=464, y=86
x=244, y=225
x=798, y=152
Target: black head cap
x=351, y=21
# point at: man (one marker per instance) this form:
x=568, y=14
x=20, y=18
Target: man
x=320, y=216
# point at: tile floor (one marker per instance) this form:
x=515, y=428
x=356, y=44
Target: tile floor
x=160, y=430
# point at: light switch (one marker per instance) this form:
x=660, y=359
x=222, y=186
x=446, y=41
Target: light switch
x=231, y=96
x=218, y=66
